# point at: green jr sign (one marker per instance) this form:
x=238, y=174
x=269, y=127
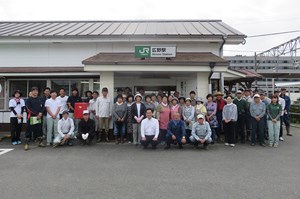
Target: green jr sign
x=142, y=51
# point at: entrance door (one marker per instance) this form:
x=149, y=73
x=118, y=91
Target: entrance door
x=148, y=90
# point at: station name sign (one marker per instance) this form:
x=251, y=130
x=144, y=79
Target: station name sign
x=155, y=51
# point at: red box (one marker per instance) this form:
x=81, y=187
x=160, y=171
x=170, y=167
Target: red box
x=79, y=108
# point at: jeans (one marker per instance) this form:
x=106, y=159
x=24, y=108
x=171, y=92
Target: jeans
x=51, y=129
x=15, y=129
x=257, y=126
x=169, y=139
x=119, y=127
x=273, y=132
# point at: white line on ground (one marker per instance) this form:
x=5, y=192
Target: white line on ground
x=3, y=151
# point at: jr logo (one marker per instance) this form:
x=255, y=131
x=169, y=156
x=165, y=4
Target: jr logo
x=144, y=51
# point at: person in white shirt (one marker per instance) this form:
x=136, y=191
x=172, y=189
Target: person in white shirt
x=63, y=101
x=281, y=101
x=92, y=109
x=65, y=128
x=149, y=130
x=16, y=106
x=53, y=107
x=104, y=113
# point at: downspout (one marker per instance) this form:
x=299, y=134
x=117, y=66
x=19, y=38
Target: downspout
x=224, y=37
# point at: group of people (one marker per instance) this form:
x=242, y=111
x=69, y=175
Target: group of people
x=151, y=119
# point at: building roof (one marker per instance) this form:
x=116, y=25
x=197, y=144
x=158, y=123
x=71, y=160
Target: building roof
x=182, y=58
x=118, y=28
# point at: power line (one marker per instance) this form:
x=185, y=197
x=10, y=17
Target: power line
x=275, y=33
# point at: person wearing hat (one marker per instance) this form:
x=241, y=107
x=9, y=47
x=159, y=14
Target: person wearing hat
x=230, y=116
x=52, y=106
x=257, y=111
x=138, y=114
x=35, y=107
x=65, y=128
x=220, y=105
x=17, y=108
x=104, y=113
x=163, y=112
x=248, y=118
x=192, y=97
x=188, y=113
x=129, y=119
x=175, y=107
x=282, y=103
x=74, y=98
x=211, y=108
x=241, y=104
x=92, y=108
x=287, y=107
x=119, y=119
x=200, y=108
x=175, y=132
x=86, y=128
x=201, y=132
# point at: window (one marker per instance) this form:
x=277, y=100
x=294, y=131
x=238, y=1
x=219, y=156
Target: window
x=57, y=84
x=82, y=85
x=96, y=85
x=18, y=85
x=41, y=84
x=2, y=93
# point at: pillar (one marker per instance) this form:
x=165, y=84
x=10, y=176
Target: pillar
x=202, y=84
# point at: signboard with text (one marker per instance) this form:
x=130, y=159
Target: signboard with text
x=154, y=51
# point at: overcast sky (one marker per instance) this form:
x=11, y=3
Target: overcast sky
x=252, y=17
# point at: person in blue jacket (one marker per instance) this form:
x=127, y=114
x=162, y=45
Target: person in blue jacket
x=175, y=132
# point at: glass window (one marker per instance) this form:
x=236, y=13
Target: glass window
x=18, y=85
x=2, y=95
x=57, y=84
x=82, y=85
x=96, y=85
x=41, y=84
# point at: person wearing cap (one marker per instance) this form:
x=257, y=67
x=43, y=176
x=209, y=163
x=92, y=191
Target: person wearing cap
x=86, y=128
x=274, y=111
x=257, y=111
x=192, y=97
x=119, y=119
x=138, y=114
x=149, y=130
x=220, y=105
x=104, y=113
x=174, y=107
x=248, y=118
x=175, y=132
x=148, y=104
x=65, y=129
x=201, y=132
x=200, y=108
x=241, y=104
x=282, y=103
x=63, y=100
x=92, y=109
x=35, y=107
x=286, y=112
x=74, y=98
x=129, y=119
x=229, y=116
x=266, y=101
x=163, y=112
x=17, y=108
x=211, y=108
x=52, y=106
x=188, y=113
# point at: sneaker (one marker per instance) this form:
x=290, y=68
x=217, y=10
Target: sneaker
x=232, y=145
x=226, y=144
x=41, y=144
x=289, y=134
x=70, y=143
x=270, y=145
x=55, y=145
x=14, y=143
x=281, y=139
x=19, y=142
x=263, y=145
x=48, y=144
x=275, y=145
x=26, y=147
x=252, y=144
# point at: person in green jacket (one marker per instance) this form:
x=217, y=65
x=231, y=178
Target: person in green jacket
x=274, y=112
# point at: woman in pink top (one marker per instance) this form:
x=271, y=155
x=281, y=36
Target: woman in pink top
x=175, y=107
x=163, y=116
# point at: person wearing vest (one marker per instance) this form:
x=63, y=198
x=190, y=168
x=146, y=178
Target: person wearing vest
x=188, y=113
x=241, y=104
x=175, y=107
x=163, y=113
x=211, y=118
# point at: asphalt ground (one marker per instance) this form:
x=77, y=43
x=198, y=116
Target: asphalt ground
x=106, y=170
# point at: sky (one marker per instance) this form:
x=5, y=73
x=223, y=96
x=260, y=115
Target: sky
x=251, y=17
